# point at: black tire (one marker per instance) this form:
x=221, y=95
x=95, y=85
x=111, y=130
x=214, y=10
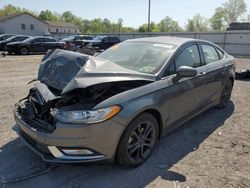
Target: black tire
x=226, y=95
x=24, y=51
x=138, y=141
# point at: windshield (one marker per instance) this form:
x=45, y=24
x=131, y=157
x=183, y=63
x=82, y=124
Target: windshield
x=145, y=57
x=28, y=39
x=10, y=39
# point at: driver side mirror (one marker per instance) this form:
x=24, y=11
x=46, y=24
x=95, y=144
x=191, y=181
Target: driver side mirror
x=185, y=71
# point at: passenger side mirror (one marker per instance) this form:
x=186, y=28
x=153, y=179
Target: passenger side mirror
x=185, y=71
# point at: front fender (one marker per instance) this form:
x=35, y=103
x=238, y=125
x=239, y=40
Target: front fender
x=133, y=108
x=138, y=100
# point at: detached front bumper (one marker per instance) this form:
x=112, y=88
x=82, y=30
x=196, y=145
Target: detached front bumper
x=97, y=141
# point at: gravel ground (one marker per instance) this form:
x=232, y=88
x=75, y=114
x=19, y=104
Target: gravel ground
x=212, y=150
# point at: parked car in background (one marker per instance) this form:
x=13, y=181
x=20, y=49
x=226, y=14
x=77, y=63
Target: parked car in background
x=117, y=105
x=77, y=39
x=103, y=42
x=37, y=44
x=15, y=38
x=5, y=36
x=239, y=26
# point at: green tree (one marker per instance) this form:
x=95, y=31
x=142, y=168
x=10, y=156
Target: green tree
x=107, y=25
x=169, y=25
x=68, y=17
x=153, y=27
x=234, y=10
x=48, y=15
x=96, y=25
x=197, y=24
x=9, y=10
x=86, y=25
x=218, y=20
x=127, y=29
x=143, y=28
x=120, y=22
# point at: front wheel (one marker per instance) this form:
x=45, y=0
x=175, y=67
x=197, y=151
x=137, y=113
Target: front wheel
x=138, y=141
x=24, y=51
x=226, y=94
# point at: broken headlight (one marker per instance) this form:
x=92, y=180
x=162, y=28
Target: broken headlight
x=85, y=116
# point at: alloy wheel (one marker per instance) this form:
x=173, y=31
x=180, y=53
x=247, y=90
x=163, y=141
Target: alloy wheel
x=24, y=51
x=141, y=141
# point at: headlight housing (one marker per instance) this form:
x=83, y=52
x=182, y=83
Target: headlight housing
x=86, y=116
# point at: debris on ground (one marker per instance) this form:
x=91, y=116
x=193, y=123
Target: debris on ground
x=242, y=74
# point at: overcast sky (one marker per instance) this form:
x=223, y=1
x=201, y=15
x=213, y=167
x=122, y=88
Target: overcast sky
x=133, y=12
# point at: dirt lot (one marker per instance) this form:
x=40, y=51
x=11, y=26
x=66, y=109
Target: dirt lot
x=212, y=150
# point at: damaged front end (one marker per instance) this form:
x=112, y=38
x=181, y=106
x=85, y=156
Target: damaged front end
x=70, y=85
x=54, y=119
x=44, y=106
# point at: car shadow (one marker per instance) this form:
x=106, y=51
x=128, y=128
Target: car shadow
x=20, y=167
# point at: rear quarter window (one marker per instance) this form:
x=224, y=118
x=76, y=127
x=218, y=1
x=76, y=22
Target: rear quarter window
x=210, y=54
x=221, y=53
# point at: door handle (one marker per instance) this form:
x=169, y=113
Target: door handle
x=202, y=73
x=226, y=65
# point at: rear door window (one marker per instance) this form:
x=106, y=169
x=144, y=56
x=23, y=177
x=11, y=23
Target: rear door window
x=19, y=38
x=49, y=40
x=86, y=38
x=210, y=54
x=23, y=38
x=38, y=40
x=78, y=37
x=106, y=39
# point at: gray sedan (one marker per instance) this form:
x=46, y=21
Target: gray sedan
x=117, y=105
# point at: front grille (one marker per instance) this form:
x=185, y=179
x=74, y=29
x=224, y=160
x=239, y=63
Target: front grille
x=36, y=114
x=35, y=123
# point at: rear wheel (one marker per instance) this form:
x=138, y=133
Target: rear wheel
x=138, y=141
x=226, y=94
x=24, y=51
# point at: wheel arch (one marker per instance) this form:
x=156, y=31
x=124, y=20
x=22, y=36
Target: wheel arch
x=231, y=79
x=24, y=46
x=157, y=115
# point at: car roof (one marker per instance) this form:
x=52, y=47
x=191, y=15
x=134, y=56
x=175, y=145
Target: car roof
x=165, y=39
x=21, y=36
x=7, y=34
x=82, y=35
x=101, y=36
x=42, y=37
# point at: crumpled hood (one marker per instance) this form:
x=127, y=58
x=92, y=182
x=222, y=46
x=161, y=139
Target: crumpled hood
x=66, y=71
